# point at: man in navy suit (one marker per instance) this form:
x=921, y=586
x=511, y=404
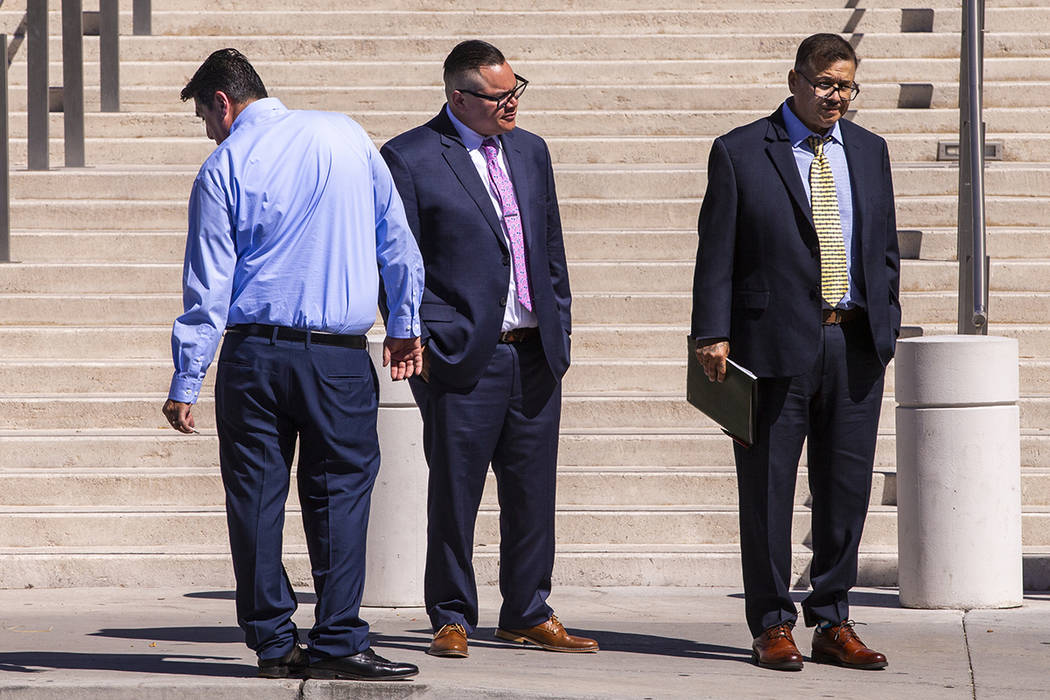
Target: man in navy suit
x=480, y=199
x=765, y=294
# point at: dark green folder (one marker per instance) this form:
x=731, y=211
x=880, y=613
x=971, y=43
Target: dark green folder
x=731, y=403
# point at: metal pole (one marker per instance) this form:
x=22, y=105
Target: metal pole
x=975, y=57
x=5, y=184
x=973, y=278
x=109, y=54
x=73, y=81
x=36, y=69
x=140, y=17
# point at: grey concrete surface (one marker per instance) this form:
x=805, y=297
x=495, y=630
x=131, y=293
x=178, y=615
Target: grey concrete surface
x=146, y=644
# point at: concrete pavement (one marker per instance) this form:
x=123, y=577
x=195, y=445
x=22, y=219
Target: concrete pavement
x=147, y=644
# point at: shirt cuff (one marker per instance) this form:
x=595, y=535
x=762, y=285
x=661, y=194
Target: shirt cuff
x=403, y=326
x=184, y=389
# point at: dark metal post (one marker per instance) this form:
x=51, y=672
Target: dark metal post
x=141, y=20
x=73, y=81
x=37, y=89
x=973, y=262
x=109, y=54
x=5, y=162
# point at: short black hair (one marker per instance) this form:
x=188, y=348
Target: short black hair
x=821, y=50
x=471, y=55
x=229, y=71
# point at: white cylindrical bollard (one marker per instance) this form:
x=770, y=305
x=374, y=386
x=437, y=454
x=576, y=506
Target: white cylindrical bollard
x=958, y=472
x=397, y=526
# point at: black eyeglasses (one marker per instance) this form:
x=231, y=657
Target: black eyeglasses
x=824, y=88
x=502, y=100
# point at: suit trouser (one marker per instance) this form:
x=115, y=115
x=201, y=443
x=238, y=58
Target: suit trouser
x=836, y=404
x=268, y=394
x=509, y=418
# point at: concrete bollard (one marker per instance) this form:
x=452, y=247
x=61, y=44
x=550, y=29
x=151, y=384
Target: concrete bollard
x=958, y=472
x=397, y=527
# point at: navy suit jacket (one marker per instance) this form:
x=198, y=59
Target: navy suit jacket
x=757, y=277
x=466, y=259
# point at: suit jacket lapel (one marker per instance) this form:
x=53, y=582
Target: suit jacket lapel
x=519, y=178
x=858, y=160
x=458, y=159
x=778, y=147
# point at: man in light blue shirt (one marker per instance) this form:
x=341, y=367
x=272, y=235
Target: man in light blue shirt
x=293, y=219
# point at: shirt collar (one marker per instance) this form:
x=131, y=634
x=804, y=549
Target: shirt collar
x=258, y=111
x=799, y=132
x=470, y=138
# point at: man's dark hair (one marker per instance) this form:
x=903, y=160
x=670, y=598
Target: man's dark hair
x=471, y=55
x=229, y=71
x=819, y=51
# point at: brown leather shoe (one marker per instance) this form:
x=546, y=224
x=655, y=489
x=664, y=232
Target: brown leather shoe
x=550, y=636
x=839, y=644
x=775, y=648
x=450, y=640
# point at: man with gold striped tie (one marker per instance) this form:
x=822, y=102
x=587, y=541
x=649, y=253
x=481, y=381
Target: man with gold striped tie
x=797, y=276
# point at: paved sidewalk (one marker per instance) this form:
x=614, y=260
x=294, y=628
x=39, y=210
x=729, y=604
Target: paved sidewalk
x=146, y=644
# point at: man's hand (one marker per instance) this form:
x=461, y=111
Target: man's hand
x=180, y=416
x=404, y=355
x=713, y=359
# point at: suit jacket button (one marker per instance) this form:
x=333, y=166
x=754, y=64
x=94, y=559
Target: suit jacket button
x=503, y=301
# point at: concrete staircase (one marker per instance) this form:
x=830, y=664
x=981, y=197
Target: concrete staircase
x=96, y=490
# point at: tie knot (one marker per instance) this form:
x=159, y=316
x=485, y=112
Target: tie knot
x=489, y=147
x=817, y=143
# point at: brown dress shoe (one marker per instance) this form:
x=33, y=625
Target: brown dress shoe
x=550, y=636
x=775, y=648
x=839, y=644
x=450, y=640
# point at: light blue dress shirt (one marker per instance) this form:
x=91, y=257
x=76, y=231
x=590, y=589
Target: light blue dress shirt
x=798, y=133
x=291, y=221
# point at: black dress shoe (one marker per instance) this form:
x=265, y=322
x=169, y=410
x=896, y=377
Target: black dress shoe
x=291, y=665
x=366, y=666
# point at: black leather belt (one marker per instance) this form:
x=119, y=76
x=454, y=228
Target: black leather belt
x=833, y=317
x=357, y=342
x=519, y=335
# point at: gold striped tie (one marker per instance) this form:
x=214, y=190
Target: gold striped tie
x=834, y=279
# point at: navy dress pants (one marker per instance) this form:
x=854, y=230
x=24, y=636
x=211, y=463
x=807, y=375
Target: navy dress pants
x=509, y=418
x=835, y=404
x=269, y=393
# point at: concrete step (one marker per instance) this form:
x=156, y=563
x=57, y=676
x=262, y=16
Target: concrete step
x=697, y=565
x=650, y=410
x=575, y=565
x=695, y=447
x=919, y=308
x=627, y=412
x=363, y=71
x=604, y=5
x=913, y=212
x=565, y=22
x=656, y=283
x=585, y=376
x=636, y=182
x=357, y=100
x=937, y=243
x=610, y=121
x=520, y=48
x=580, y=486
x=590, y=341
x=38, y=526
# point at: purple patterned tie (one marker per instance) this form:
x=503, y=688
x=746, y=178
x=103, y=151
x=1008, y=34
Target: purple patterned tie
x=511, y=218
